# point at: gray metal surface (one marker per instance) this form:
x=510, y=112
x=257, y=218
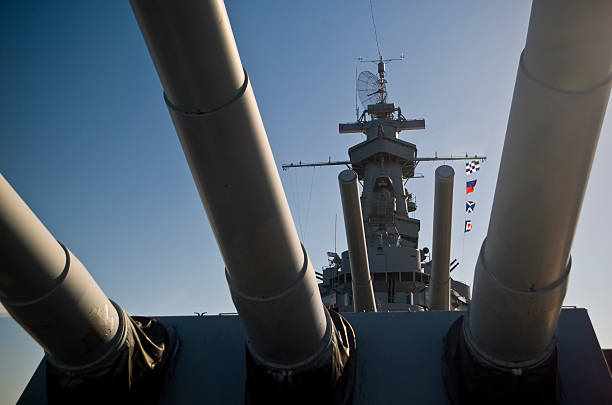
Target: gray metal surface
x=401, y=366
x=26, y=244
x=194, y=77
x=271, y=280
x=439, y=285
x=48, y=291
x=560, y=98
x=363, y=294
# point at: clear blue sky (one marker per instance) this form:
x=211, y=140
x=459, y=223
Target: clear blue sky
x=88, y=143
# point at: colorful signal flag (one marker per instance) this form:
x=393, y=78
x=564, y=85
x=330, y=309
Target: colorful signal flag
x=470, y=186
x=468, y=225
x=470, y=206
x=472, y=167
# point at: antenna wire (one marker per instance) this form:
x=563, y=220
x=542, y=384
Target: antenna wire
x=375, y=30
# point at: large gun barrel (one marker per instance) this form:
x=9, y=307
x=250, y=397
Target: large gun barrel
x=93, y=354
x=560, y=98
x=48, y=290
x=439, y=285
x=216, y=117
x=363, y=293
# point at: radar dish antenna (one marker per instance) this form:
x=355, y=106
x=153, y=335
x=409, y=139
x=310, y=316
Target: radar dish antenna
x=370, y=89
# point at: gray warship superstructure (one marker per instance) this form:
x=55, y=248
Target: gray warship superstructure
x=514, y=344
x=400, y=273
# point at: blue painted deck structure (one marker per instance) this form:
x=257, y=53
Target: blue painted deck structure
x=399, y=360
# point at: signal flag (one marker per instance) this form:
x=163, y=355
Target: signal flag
x=468, y=225
x=470, y=186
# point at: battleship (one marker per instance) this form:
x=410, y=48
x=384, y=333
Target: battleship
x=384, y=322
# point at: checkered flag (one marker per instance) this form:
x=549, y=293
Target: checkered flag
x=472, y=167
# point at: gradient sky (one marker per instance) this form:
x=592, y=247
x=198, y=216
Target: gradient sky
x=87, y=141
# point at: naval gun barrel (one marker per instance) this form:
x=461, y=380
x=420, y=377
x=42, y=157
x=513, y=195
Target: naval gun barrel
x=560, y=98
x=439, y=285
x=49, y=292
x=363, y=293
x=216, y=117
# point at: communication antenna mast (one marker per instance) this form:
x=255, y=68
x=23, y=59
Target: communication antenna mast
x=372, y=89
x=375, y=30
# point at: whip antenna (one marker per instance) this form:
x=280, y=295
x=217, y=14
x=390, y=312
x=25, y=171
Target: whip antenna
x=375, y=30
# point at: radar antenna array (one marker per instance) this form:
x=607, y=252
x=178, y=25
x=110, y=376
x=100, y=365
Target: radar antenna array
x=370, y=89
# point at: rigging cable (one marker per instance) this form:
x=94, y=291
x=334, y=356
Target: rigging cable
x=307, y=220
x=335, y=228
x=356, y=105
x=295, y=202
x=375, y=30
x=463, y=233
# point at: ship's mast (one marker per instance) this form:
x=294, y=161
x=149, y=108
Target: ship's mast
x=383, y=163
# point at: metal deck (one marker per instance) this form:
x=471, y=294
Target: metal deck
x=398, y=360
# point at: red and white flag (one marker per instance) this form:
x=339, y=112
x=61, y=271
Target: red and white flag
x=468, y=225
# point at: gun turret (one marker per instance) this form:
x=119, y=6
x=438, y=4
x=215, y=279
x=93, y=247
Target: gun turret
x=286, y=346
